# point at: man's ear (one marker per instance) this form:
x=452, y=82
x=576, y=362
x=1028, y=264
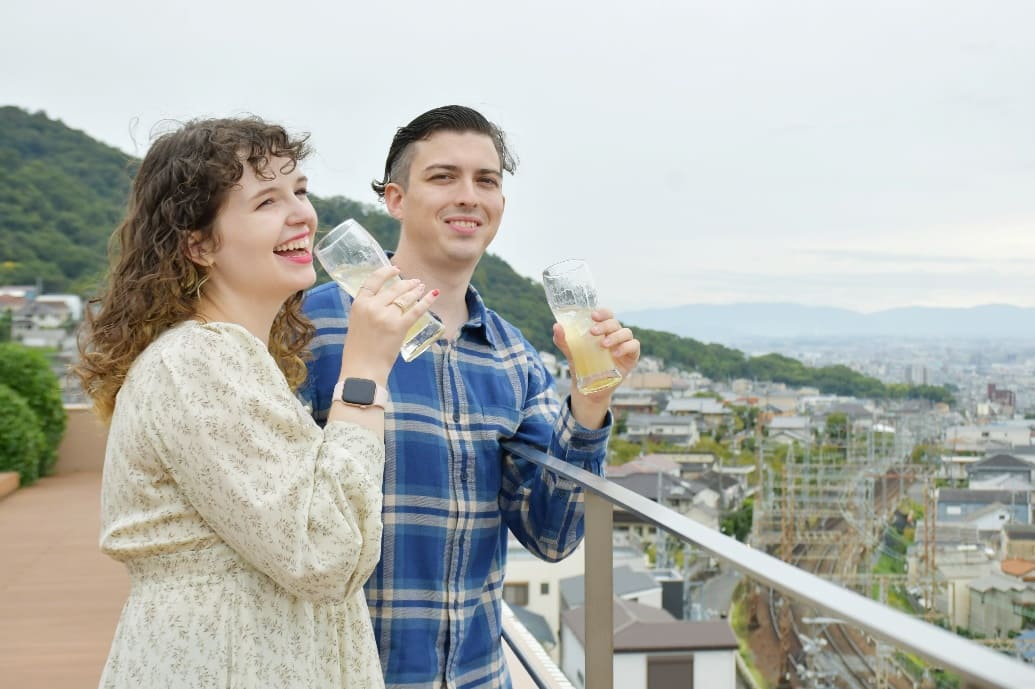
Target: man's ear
x=198, y=249
x=394, y=197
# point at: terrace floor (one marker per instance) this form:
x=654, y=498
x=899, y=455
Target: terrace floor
x=60, y=597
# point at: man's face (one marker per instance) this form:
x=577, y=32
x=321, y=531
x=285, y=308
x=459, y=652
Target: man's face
x=452, y=203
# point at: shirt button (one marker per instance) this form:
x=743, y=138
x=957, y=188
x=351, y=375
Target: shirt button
x=456, y=417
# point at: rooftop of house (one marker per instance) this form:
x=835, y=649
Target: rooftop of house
x=645, y=464
x=1000, y=462
x=795, y=423
x=536, y=624
x=998, y=582
x=1019, y=532
x=641, y=628
x=982, y=497
x=1017, y=567
x=627, y=581
x=650, y=486
x=698, y=405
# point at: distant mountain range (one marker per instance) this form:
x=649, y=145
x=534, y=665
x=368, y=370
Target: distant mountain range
x=732, y=322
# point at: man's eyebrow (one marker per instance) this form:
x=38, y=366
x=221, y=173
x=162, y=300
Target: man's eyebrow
x=456, y=168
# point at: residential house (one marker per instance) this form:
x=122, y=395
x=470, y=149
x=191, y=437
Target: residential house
x=1002, y=465
x=728, y=489
x=646, y=464
x=1001, y=604
x=630, y=584
x=653, y=650
x=648, y=380
x=1002, y=436
x=957, y=569
x=788, y=430
x=955, y=504
x=624, y=404
x=667, y=428
x=1018, y=541
x=710, y=413
x=672, y=491
x=533, y=587
x=954, y=467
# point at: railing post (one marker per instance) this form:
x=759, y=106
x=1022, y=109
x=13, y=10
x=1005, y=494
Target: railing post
x=599, y=593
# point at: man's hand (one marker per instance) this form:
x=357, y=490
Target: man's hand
x=591, y=410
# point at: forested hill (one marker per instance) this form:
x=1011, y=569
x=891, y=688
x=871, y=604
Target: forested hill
x=62, y=193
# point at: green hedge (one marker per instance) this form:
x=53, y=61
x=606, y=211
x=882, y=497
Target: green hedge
x=21, y=440
x=28, y=373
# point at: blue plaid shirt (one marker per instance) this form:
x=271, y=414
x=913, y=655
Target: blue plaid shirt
x=451, y=492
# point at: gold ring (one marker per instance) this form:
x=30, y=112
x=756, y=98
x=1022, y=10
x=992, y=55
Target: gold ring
x=402, y=307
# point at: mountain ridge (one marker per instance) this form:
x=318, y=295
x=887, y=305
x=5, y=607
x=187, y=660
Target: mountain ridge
x=722, y=322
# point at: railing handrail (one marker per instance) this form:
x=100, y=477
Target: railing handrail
x=941, y=648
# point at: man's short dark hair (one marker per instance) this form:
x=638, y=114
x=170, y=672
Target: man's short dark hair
x=451, y=118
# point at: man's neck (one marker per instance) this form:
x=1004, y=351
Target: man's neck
x=452, y=284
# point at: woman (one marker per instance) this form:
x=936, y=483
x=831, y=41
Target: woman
x=247, y=530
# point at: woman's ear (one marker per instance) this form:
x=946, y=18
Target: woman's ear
x=198, y=249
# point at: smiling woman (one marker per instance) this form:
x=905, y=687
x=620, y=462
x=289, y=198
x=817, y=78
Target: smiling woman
x=248, y=531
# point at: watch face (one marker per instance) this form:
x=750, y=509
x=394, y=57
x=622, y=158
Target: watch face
x=358, y=391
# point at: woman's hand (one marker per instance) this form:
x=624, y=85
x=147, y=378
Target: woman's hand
x=383, y=310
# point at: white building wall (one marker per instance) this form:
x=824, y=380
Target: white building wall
x=630, y=671
x=525, y=568
x=715, y=669
x=573, y=659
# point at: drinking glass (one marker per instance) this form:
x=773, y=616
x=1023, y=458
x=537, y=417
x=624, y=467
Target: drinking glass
x=572, y=296
x=349, y=254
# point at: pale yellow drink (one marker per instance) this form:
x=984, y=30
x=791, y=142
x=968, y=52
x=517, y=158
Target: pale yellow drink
x=419, y=337
x=593, y=368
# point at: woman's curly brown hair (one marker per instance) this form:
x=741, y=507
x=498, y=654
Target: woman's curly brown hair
x=152, y=283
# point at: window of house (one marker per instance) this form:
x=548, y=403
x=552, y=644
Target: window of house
x=544, y=588
x=515, y=594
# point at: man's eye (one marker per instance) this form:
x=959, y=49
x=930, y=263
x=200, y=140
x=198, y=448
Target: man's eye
x=491, y=181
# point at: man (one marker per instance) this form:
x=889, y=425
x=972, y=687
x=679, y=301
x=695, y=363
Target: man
x=451, y=492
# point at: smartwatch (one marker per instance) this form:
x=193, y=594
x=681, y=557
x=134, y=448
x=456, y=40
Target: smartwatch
x=360, y=392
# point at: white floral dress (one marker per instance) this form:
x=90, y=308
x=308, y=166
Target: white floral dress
x=247, y=530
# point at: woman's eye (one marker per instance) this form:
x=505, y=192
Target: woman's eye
x=302, y=192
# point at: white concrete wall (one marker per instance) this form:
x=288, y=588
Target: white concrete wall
x=525, y=568
x=630, y=671
x=715, y=669
x=573, y=660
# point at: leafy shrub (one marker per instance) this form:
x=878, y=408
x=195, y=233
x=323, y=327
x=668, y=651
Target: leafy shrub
x=27, y=372
x=21, y=440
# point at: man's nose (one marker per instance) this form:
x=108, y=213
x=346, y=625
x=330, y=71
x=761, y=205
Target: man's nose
x=466, y=193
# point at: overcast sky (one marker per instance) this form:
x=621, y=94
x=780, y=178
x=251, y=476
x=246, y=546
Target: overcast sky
x=864, y=154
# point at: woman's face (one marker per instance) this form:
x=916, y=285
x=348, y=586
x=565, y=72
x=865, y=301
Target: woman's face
x=264, y=231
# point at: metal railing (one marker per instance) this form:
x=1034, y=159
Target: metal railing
x=978, y=666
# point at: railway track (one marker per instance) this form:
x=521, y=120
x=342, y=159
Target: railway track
x=824, y=653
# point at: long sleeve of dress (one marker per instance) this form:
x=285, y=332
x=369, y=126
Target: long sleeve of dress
x=300, y=504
